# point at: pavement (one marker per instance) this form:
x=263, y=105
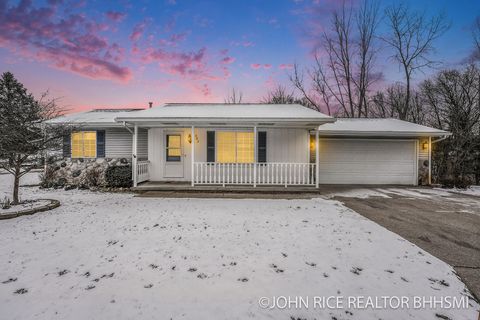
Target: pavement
x=445, y=224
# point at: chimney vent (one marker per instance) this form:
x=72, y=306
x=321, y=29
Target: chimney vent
x=150, y=105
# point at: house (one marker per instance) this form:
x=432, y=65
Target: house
x=252, y=144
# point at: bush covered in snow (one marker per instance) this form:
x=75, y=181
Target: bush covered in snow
x=119, y=177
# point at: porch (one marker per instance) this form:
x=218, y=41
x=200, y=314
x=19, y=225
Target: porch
x=175, y=159
x=270, y=174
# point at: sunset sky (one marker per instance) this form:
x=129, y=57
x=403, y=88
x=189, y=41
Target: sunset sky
x=125, y=53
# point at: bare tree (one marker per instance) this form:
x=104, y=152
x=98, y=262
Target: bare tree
x=279, y=95
x=411, y=37
x=341, y=81
x=476, y=39
x=452, y=97
x=234, y=97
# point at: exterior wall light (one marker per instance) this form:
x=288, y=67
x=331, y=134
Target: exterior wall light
x=425, y=145
x=189, y=138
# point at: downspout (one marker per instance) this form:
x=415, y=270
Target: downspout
x=126, y=127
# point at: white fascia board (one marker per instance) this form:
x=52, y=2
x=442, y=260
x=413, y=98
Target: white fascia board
x=384, y=134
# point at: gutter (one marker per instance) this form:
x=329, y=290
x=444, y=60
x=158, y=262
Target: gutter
x=440, y=139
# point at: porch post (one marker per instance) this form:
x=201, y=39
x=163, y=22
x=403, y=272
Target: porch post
x=317, y=160
x=255, y=156
x=429, y=160
x=134, y=155
x=193, y=155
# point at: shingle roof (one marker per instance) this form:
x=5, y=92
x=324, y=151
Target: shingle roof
x=216, y=111
x=377, y=127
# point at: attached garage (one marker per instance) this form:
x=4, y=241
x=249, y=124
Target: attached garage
x=375, y=151
x=368, y=161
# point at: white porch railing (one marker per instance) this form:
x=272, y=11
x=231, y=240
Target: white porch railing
x=270, y=173
x=142, y=171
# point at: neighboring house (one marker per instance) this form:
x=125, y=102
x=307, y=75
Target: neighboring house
x=253, y=144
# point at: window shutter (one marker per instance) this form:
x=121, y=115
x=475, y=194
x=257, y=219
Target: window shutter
x=67, y=146
x=210, y=146
x=262, y=146
x=100, y=143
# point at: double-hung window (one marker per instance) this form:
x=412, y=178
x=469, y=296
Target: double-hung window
x=84, y=144
x=234, y=147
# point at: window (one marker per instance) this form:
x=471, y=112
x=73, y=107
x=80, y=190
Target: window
x=84, y=144
x=235, y=147
x=174, y=147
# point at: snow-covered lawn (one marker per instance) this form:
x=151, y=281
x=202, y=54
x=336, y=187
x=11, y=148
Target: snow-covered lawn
x=116, y=256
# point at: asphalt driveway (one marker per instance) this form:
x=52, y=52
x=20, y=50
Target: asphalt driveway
x=445, y=224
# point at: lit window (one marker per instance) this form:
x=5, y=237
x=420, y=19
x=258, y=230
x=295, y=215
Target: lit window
x=174, y=147
x=235, y=147
x=84, y=144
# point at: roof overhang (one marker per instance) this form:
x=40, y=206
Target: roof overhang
x=226, y=122
x=389, y=134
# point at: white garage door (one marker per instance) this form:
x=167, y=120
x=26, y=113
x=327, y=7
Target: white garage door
x=344, y=161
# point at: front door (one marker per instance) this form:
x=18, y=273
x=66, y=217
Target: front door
x=173, y=155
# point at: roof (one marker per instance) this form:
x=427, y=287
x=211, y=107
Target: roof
x=228, y=113
x=95, y=117
x=378, y=127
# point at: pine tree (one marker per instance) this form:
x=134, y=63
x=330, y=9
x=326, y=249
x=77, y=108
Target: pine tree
x=24, y=135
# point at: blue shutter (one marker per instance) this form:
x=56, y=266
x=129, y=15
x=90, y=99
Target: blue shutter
x=100, y=143
x=262, y=146
x=210, y=146
x=67, y=146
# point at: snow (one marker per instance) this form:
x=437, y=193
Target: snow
x=378, y=127
x=361, y=193
x=117, y=256
x=228, y=112
x=96, y=116
x=26, y=205
x=472, y=191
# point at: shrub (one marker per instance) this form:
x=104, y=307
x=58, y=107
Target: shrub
x=6, y=203
x=119, y=177
x=47, y=177
x=93, y=177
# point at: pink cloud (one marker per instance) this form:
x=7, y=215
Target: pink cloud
x=256, y=66
x=73, y=43
x=228, y=60
x=191, y=64
x=285, y=66
x=115, y=15
x=137, y=31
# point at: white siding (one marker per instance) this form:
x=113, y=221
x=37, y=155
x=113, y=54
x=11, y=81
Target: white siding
x=118, y=143
x=283, y=145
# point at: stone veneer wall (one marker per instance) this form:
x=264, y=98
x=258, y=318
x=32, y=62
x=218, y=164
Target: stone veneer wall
x=76, y=172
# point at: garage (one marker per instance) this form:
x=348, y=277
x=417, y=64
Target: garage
x=368, y=161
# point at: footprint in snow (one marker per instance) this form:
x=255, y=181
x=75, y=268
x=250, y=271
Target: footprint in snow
x=356, y=270
x=148, y=286
x=63, y=272
x=21, y=291
x=9, y=280
x=90, y=287
x=311, y=264
x=201, y=276
x=276, y=268
x=192, y=269
x=242, y=279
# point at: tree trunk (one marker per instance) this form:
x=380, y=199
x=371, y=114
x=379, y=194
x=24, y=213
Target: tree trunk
x=16, y=184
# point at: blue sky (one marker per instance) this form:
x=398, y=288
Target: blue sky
x=126, y=53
